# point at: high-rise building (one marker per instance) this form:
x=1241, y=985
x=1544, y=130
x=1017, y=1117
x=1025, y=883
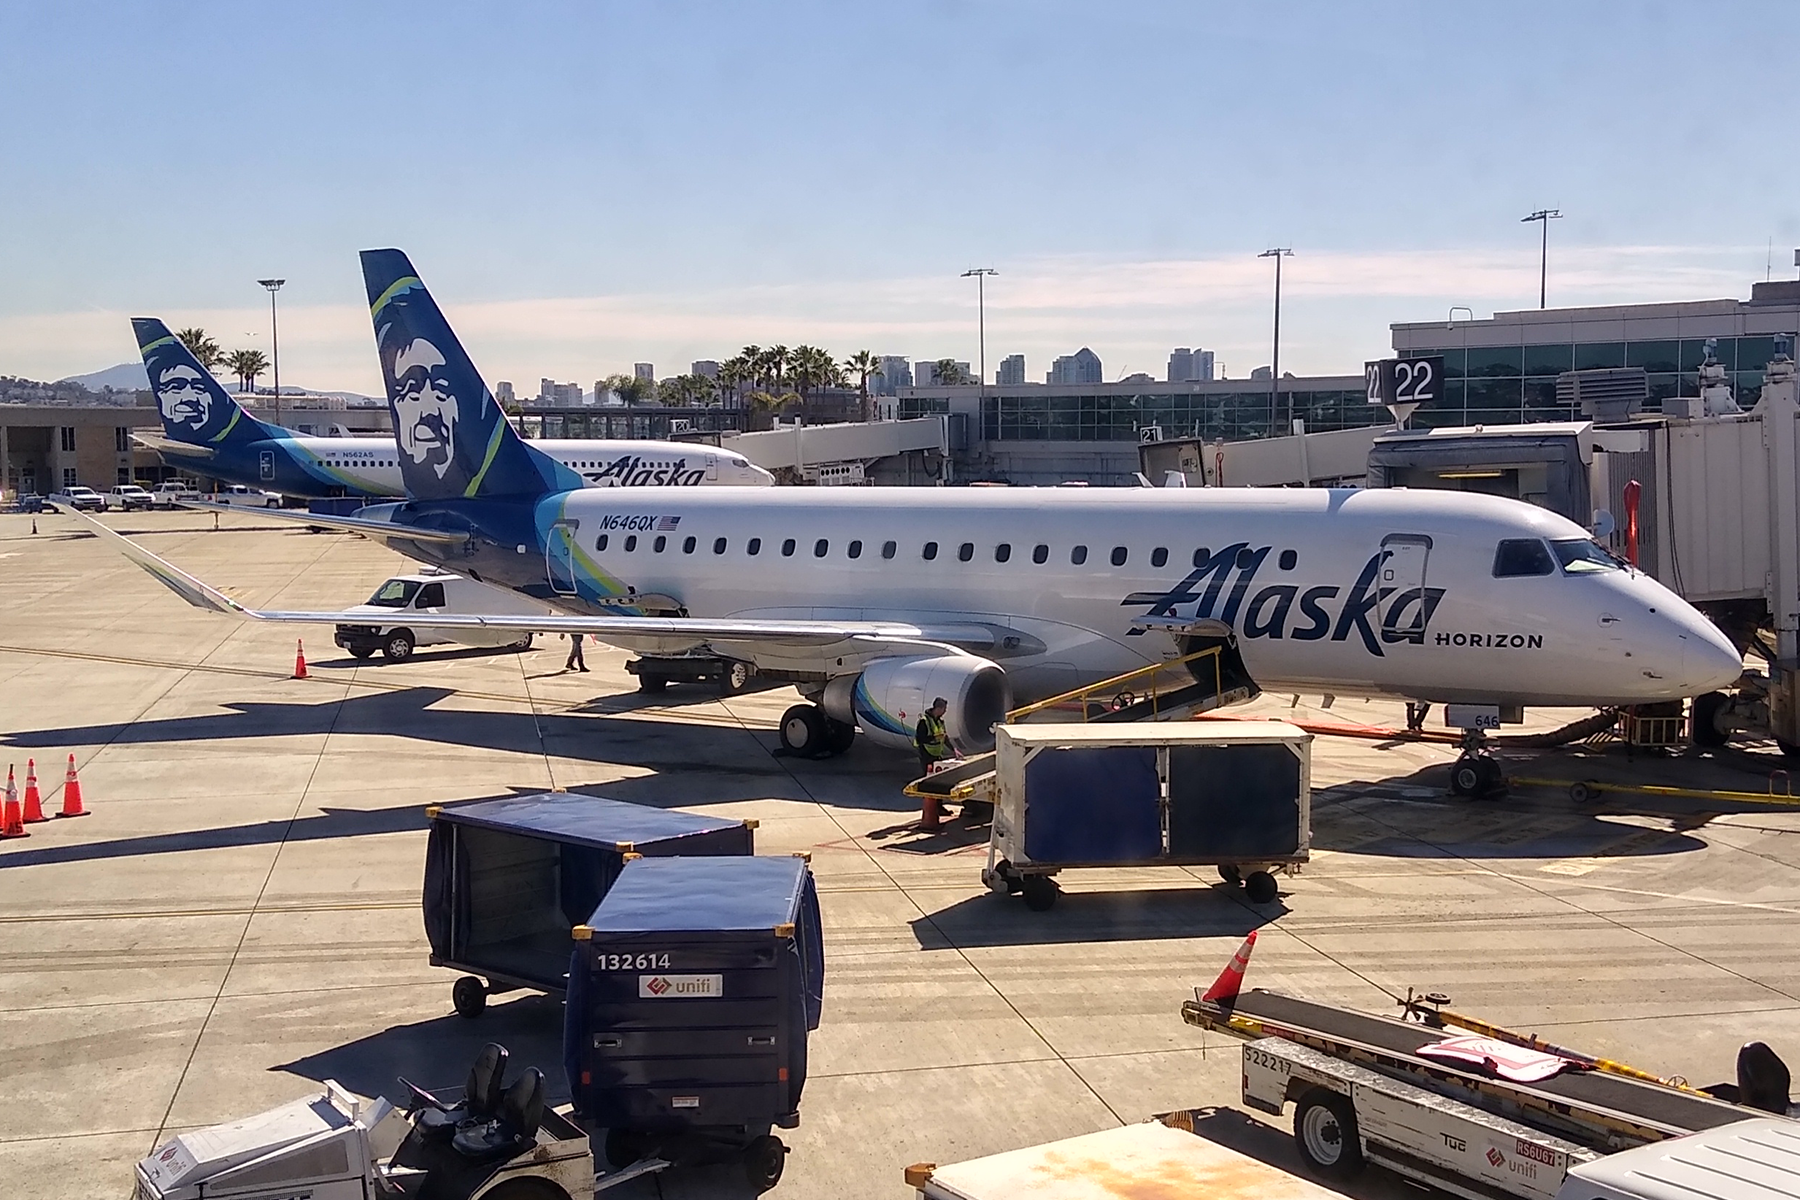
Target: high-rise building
x=704, y=367
x=503, y=392
x=546, y=391
x=1012, y=370
x=1083, y=366
x=644, y=371
x=895, y=373
x=1187, y=366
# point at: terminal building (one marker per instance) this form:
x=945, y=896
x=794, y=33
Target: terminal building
x=47, y=447
x=1055, y=433
x=1503, y=370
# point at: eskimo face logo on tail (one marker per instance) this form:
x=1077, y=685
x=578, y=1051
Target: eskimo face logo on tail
x=424, y=406
x=182, y=396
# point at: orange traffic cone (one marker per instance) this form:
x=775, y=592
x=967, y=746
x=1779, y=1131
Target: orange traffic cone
x=10, y=824
x=72, y=794
x=1231, y=980
x=34, y=803
x=299, y=659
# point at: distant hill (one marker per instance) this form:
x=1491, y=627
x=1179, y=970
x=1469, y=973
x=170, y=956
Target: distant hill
x=128, y=377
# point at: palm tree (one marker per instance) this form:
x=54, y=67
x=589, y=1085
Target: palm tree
x=201, y=346
x=734, y=372
x=863, y=364
x=776, y=361
x=949, y=371
x=246, y=365
x=630, y=388
x=678, y=391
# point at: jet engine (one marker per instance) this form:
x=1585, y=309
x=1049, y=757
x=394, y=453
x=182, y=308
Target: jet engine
x=890, y=695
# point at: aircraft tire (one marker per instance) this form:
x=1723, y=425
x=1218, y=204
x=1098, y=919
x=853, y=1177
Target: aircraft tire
x=839, y=737
x=1704, y=727
x=1231, y=873
x=468, y=996
x=651, y=683
x=734, y=678
x=803, y=731
x=1465, y=777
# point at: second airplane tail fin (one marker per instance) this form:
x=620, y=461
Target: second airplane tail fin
x=454, y=439
x=195, y=409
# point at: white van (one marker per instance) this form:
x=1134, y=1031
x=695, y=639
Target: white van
x=400, y=616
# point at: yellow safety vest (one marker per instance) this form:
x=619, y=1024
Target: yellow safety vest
x=935, y=743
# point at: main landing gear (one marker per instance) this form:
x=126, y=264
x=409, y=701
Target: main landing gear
x=1475, y=774
x=806, y=732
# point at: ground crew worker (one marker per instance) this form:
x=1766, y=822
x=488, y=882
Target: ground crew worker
x=576, y=661
x=930, y=737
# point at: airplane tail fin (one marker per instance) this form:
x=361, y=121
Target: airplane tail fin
x=1230, y=982
x=195, y=409
x=454, y=439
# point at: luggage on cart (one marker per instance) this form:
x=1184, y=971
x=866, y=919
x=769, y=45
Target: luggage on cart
x=506, y=880
x=692, y=989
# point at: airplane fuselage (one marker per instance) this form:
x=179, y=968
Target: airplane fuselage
x=299, y=465
x=1375, y=593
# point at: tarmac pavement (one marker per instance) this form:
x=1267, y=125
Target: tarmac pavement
x=239, y=916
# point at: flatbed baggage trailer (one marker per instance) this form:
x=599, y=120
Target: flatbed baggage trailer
x=1151, y=1159
x=1235, y=795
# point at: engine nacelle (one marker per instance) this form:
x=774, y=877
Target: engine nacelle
x=890, y=695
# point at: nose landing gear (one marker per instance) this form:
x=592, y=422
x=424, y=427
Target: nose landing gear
x=1475, y=774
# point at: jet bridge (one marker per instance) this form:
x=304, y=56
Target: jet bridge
x=914, y=451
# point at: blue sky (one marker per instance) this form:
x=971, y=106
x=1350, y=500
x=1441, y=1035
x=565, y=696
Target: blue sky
x=585, y=185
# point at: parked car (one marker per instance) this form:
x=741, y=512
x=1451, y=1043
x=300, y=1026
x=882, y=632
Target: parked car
x=170, y=495
x=31, y=502
x=128, y=497
x=238, y=494
x=399, y=616
x=78, y=499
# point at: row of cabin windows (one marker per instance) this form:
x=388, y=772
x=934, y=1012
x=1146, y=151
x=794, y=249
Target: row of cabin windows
x=965, y=551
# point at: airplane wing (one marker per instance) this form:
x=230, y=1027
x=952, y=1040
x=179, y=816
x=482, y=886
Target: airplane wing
x=382, y=531
x=688, y=630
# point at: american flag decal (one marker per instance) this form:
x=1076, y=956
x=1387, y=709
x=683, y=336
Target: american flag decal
x=664, y=524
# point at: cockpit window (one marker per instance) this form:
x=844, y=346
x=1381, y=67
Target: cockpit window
x=1580, y=556
x=395, y=593
x=1522, y=556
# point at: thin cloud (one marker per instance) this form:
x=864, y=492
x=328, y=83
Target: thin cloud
x=1336, y=311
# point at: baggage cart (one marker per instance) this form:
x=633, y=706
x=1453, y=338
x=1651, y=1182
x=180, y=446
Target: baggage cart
x=1231, y=794
x=506, y=880
x=691, y=993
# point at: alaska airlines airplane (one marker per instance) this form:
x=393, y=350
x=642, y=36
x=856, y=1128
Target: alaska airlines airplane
x=874, y=601
x=208, y=432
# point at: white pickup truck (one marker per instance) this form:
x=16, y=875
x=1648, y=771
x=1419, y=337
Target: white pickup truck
x=238, y=494
x=128, y=497
x=173, y=495
x=76, y=498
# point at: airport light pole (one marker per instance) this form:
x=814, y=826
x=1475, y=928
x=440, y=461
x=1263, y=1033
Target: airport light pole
x=1277, y=253
x=981, y=274
x=274, y=285
x=1543, y=216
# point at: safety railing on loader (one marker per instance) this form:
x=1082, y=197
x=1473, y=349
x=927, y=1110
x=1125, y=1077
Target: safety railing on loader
x=1123, y=691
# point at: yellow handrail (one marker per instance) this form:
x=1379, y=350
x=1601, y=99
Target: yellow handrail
x=1118, y=681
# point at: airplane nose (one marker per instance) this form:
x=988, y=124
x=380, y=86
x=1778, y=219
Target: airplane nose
x=1708, y=659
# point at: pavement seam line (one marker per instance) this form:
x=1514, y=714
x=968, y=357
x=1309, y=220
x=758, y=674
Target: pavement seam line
x=249, y=919
x=949, y=943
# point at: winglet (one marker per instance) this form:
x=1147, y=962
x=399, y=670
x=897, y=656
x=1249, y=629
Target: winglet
x=1231, y=980
x=196, y=593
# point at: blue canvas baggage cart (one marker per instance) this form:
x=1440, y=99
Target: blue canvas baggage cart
x=692, y=989
x=506, y=880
